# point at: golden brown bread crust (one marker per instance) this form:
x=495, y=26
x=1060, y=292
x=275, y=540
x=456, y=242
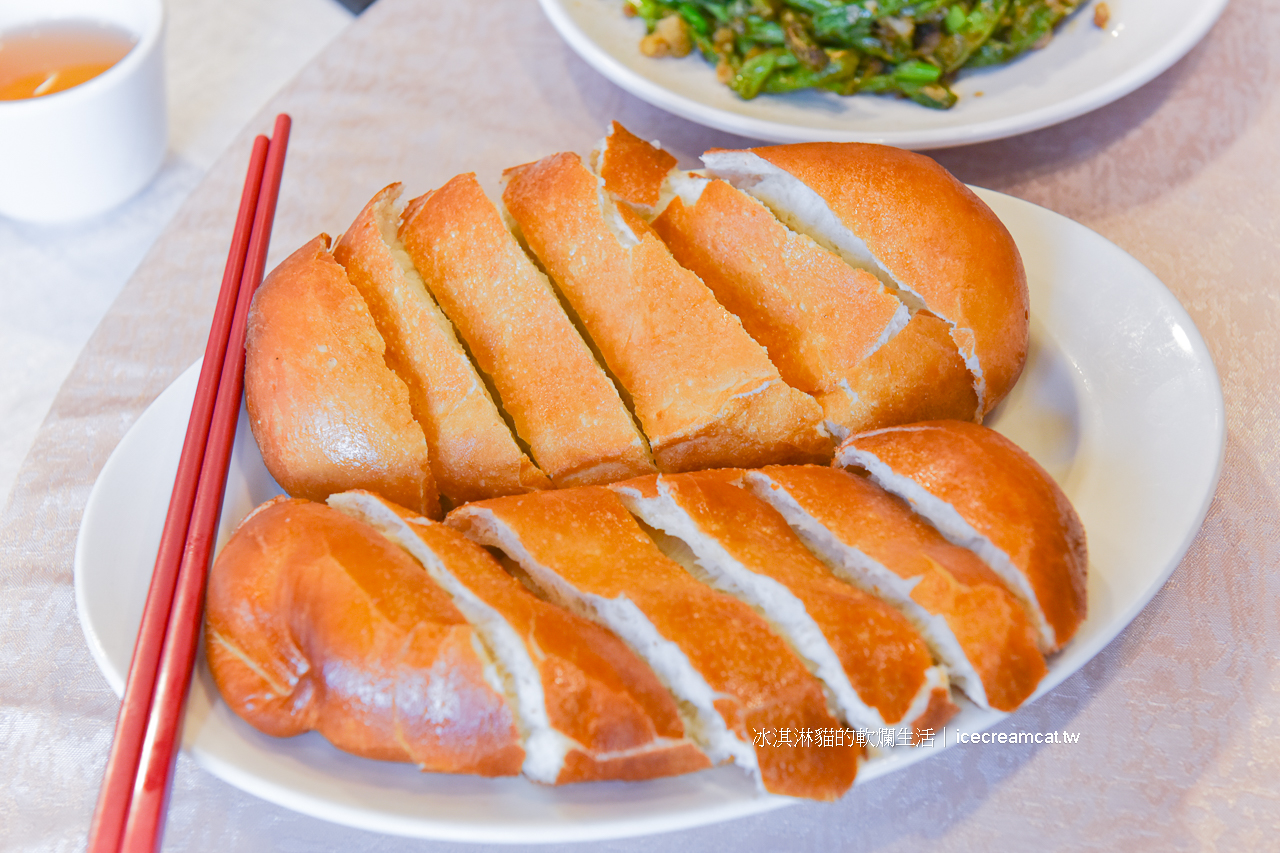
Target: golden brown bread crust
x=934, y=236
x=917, y=375
x=884, y=657
x=597, y=691
x=704, y=392
x=589, y=539
x=562, y=403
x=817, y=316
x=1000, y=490
x=939, y=711
x=326, y=411
x=987, y=621
x=632, y=169
x=473, y=454
x=313, y=621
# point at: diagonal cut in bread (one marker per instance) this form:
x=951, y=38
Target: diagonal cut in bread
x=917, y=375
x=560, y=400
x=905, y=219
x=589, y=709
x=704, y=392
x=473, y=454
x=326, y=410
x=974, y=626
x=875, y=665
x=984, y=493
x=734, y=678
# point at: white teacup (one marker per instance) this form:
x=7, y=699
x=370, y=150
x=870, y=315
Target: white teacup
x=83, y=151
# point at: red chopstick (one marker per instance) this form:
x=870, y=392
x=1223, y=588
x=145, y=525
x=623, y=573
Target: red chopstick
x=122, y=764
x=130, y=809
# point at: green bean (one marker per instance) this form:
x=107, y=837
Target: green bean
x=694, y=18
x=799, y=39
x=839, y=70
x=818, y=7
x=647, y=10
x=844, y=27
x=719, y=11
x=930, y=95
x=981, y=20
x=916, y=71
x=926, y=8
x=751, y=76
x=763, y=31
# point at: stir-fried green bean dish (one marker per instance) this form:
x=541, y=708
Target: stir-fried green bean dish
x=910, y=48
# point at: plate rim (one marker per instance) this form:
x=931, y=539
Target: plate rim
x=1197, y=25
x=360, y=817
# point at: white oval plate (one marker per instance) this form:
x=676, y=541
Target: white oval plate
x=1120, y=402
x=1083, y=68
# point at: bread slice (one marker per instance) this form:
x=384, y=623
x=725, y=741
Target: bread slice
x=984, y=493
x=326, y=411
x=642, y=176
x=560, y=400
x=589, y=708
x=734, y=678
x=907, y=220
x=874, y=664
x=473, y=453
x=818, y=317
x=834, y=330
x=704, y=392
x=974, y=626
x=314, y=621
x=632, y=169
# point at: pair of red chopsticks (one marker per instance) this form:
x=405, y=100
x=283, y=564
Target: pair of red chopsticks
x=131, y=804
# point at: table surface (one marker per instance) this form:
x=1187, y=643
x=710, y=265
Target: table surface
x=1179, y=745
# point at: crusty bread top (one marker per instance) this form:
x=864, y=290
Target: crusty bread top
x=315, y=621
x=327, y=412
x=817, y=316
x=587, y=537
x=562, y=403
x=917, y=375
x=998, y=489
x=987, y=621
x=935, y=237
x=704, y=392
x=473, y=454
x=632, y=169
x=884, y=657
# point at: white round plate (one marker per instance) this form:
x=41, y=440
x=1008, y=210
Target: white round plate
x=1120, y=402
x=1083, y=68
